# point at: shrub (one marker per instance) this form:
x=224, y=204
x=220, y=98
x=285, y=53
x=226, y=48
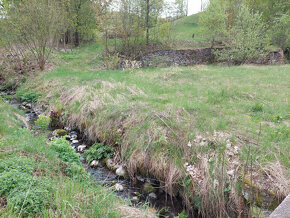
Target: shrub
x=247, y=38
x=280, y=32
x=98, y=151
x=213, y=22
x=42, y=122
x=65, y=152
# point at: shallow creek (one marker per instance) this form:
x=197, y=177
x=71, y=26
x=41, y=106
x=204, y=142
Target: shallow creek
x=132, y=191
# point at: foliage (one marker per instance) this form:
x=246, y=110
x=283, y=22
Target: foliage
x=213, y=22
x=64, y=150
x=247, y=38
x=80, y=21
x=23, y=165
x=26, y=38
x=27, y=95
x=25, y=193
x=31, y=197
x=270, y=9
x=35, y=182
x=280, y=32
x=42, y=122
x=98, y=151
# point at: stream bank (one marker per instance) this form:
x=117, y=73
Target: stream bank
x=142, y=191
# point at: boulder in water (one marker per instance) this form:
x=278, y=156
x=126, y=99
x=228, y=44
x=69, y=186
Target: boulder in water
x=119, y=187
x=94, y=163
x=81, y=148
x=120, y=171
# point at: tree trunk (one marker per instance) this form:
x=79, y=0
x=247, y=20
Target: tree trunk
x=77, y=39
x=147, y=22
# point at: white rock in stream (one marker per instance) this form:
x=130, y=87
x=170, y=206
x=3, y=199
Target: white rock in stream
x=94, y=163
x=81, y=148
x=120, y=171
x=119, y=187
x=134, y=199
x=73, y=136
x=153, y=196
x=75, y=141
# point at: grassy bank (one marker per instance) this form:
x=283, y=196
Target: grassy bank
x=196, y=129
x=38, y=180
x=186, y=33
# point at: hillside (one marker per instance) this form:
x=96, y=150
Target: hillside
x=182, y=31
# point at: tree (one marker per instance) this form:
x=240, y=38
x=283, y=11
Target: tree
x=213, y=22
x=80, y=20
x=182, y=7
x=30, y=28
x=247, y=38
x=280, y=32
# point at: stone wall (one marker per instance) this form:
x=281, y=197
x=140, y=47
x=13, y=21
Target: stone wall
x=165, y=58
x=178, y=57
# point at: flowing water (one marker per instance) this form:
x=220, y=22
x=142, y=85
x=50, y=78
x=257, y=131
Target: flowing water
x=168, y=207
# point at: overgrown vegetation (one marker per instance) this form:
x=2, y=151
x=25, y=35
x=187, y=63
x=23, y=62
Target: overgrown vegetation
x=35, y=182
x=246, y=28
x=98, y=151
x=179, y=124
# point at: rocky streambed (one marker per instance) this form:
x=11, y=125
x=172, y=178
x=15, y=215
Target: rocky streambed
x=105, y=172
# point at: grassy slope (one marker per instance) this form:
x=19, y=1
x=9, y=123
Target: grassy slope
x=71, y=196
x=184, y=27
x=154, y=113
x=182, y=30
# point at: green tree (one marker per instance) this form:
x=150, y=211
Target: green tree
x=213, y=22
x=247, y=38
x=80, y=21
x=280, y=32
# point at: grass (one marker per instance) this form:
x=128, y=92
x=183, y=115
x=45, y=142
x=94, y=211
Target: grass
x=153, y=114
x=183, y=30
x=34, y=182
x=184, y=27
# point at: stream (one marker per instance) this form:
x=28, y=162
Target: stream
x=124, y=188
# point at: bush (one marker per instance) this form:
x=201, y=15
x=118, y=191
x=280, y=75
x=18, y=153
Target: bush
x=280, y=32
x=247, y=38
x=42, y=122
x=213, y=22
x=65, y=152
x=98, y=151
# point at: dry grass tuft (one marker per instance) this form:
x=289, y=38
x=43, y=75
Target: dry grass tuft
x=133, y=212
x=276, y=176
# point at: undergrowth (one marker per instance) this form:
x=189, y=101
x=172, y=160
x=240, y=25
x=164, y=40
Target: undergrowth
x=40, y=180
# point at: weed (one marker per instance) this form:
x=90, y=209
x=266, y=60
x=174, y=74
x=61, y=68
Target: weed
x=42, y=122
x=31, y=197
x=64, y=150
x=98, y=151
x=257, y=107
x=28, y=96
